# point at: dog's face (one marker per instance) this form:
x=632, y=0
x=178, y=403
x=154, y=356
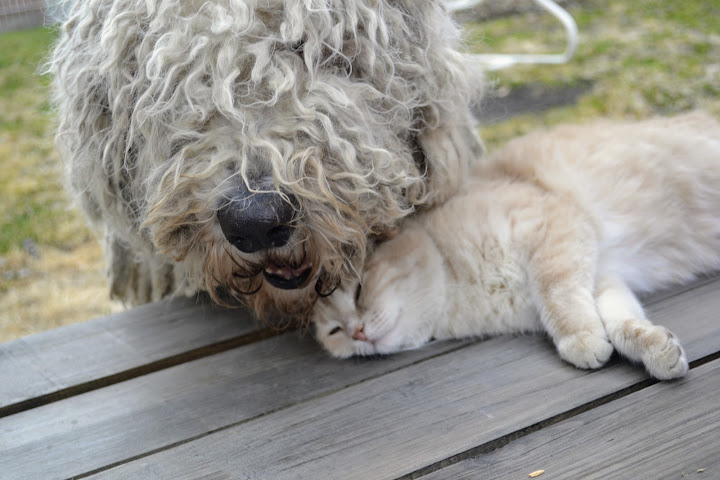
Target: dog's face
x=261, y=146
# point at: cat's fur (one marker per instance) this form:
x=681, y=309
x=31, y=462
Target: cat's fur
x=555, y=232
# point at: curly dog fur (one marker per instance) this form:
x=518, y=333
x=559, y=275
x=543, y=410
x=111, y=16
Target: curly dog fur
x=359, y=111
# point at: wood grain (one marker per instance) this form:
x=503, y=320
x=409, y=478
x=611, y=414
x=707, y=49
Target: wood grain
x=668, y=430
x=393, y=425
x=281, y=408
x=52, y=361
x=118, y=422
x=411, y=418
x=699, y=304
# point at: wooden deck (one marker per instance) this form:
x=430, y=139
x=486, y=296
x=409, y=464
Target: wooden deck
x=176, y=390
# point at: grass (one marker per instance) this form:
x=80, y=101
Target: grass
x=33, y=208
x=641, y=58
x=51, y=270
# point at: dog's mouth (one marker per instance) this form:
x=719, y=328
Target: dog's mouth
x=286, y=277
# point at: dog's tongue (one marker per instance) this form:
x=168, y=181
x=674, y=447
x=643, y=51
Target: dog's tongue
x=286, y=277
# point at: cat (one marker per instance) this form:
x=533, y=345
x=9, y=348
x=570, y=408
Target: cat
x=555, y=232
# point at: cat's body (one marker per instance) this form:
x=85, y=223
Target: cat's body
x=553, y=233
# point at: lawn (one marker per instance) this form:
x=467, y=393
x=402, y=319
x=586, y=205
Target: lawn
x=635, y=60
x=638, y=58
x=51, y=270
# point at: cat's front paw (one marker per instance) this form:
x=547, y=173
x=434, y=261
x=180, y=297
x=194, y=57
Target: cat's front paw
x=664, y=357
x=585, y=350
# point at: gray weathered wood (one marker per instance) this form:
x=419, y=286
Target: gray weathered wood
x=60, y=359
x=408, y=419
x=663, y=431
x=396, y=424
x=282, y=403
x=698, y=302
x=90, y=431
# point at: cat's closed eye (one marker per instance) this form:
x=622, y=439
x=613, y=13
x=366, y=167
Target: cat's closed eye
x=358, y=290
x=334, y=330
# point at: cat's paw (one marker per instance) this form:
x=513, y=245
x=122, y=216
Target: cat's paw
x=663, y=357
x=585, y=350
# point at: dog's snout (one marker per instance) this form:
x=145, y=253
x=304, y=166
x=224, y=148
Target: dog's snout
x=254, y=221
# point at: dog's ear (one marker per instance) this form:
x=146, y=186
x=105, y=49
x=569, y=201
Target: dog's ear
x=448, y=153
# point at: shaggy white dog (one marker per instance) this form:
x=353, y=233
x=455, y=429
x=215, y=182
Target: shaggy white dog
x=254, y=149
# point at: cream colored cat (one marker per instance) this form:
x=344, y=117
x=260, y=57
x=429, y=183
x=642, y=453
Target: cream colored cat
x=555, y=232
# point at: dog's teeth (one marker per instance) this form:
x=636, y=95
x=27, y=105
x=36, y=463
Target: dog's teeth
x=287, y=272
x=279, y=272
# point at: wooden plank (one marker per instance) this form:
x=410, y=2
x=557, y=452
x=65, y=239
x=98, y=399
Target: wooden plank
x=43, y=364
x=37, y=367
x=700, y=303
x=393, y=425
x=668, y=430
x=410, y=418
x=183, y=403
x=89, y=431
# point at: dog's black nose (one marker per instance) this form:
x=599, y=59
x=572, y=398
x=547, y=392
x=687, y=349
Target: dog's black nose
x=254, y=221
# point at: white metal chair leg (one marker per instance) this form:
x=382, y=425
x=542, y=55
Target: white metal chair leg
x=498, y=61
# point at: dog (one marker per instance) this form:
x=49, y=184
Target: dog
x=256, y=150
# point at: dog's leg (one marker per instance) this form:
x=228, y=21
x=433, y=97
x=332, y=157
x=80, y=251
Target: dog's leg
x=136, y=279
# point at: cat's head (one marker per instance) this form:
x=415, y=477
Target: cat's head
x=395, y=307
x=336, y=320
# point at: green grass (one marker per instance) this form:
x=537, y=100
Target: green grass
x=643, y=58
x=20, y=54
x=34, y=205
x=50, y=263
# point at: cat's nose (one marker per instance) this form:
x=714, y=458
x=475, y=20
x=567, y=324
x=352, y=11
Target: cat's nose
x=359, y=335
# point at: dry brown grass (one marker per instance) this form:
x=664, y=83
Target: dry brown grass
x=57, y=288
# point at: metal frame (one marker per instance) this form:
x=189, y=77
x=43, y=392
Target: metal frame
x=498, y=61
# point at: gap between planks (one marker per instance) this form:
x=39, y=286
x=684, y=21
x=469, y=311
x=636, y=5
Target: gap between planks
x=548, y=422
x=229, y=344
x=518, y=433
x=460, y=346
x=129, y=374
x=698, y=345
